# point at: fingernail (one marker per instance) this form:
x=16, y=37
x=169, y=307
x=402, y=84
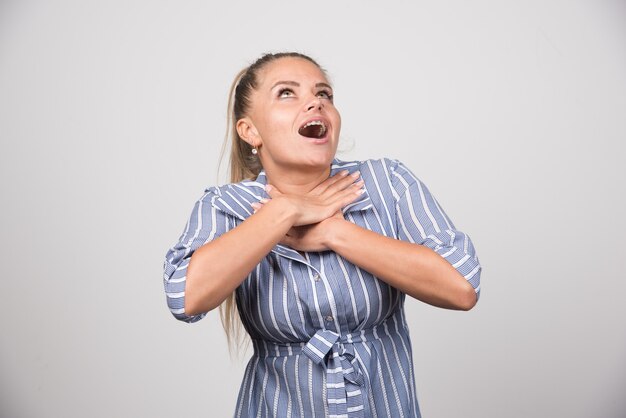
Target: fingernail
x=268, y=188
x=344, y=173
x=359, y=183
x=356, y=174
x=263, y=200
x=360, y=191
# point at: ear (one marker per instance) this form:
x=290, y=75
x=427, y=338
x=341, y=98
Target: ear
x=248, y=132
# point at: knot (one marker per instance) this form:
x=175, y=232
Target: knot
x=350, y=364
x=320, y=345
x=338, y=354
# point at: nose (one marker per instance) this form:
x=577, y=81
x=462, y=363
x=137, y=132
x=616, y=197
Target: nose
x=316, y=103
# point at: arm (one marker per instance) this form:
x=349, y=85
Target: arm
x=210, y=260
x=420, y=220
x=218, y=267
x=205, y=224
x=411, y=268
x=431, y=260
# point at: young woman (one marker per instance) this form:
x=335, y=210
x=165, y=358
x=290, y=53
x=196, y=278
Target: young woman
x=315, y=255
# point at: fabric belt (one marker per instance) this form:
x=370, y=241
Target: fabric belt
x=336, y=353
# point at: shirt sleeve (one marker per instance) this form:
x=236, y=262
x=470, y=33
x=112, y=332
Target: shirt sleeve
x=205, y=224
x=421, y=220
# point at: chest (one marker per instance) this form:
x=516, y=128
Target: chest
x=290, y=295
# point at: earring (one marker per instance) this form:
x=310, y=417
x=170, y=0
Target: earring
x=254, y=151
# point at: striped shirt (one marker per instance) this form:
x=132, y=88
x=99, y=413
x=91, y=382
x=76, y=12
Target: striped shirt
x=330, y=339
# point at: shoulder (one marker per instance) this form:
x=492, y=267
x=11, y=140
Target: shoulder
x=235, y=199
x=380, y=166
x=383, y=170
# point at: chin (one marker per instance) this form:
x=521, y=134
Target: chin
x=318, y=159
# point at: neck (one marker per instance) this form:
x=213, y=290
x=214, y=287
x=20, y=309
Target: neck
x=296, y=181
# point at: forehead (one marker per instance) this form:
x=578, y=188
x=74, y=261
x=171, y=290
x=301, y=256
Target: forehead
x=291, y=69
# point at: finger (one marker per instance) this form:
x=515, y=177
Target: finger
x=262, y=201
x=272, y=191
x=347, y=195
x=321, y=188
x=326, y=206
x=353, y=190
x=342, y=184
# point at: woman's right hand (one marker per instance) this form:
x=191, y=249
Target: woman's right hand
x=320, y=203
x=220, y=265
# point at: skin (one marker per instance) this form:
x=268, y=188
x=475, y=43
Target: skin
x=304, y=211
x=291, y=92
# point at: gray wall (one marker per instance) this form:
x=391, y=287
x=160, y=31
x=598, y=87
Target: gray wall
x=111, y=119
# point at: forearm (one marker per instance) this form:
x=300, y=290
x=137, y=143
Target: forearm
x=218, y=267
x=411, y=268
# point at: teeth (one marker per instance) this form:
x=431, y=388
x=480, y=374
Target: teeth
x=318, y=133
x=315, y=122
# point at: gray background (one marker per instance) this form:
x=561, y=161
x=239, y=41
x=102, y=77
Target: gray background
x=112, y=115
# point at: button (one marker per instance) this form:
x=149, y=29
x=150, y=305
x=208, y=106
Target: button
x=316, y=277
x=329, y=318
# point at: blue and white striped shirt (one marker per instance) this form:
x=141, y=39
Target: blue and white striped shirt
x=330, y=339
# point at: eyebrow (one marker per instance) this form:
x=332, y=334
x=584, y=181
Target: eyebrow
x=296, y=84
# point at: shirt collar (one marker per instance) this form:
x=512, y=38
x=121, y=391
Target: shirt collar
x=236, y=198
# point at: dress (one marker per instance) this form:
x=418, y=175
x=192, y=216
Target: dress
x=330, y=339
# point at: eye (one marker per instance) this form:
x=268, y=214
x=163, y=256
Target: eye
x=285, y=92
x=325, y=94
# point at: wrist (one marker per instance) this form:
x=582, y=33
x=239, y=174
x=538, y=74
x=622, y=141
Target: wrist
x=335, y=229
x=284, y=210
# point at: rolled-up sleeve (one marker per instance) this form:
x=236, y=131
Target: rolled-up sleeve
x=205, y=224
x=421, y=220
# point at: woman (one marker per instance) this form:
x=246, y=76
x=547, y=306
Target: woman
x=318, y=254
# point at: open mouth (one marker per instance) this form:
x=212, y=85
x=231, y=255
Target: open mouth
x=314, y=129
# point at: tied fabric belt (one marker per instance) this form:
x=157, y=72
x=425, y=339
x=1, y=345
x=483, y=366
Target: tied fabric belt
x=344, y=375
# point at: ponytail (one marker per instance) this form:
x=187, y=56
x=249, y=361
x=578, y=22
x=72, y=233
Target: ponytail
x=243, y=165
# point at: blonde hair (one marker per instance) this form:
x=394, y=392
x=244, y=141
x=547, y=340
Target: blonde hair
x=243, y=164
